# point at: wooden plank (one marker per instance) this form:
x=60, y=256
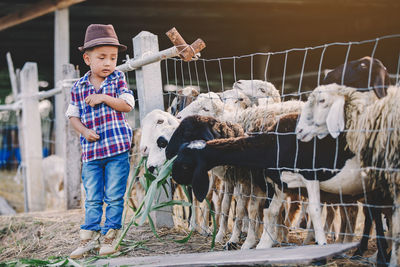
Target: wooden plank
x=61, y=57
x=149, y=88
x=16, y=91
x=71, y=148
x=32, y=135
x=33, y=11
x=253, y=257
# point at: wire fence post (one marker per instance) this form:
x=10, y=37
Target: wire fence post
x=71, y=146
x=149, y=88
x=32, y=138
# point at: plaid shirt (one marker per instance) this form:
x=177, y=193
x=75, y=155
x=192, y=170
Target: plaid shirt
x=114, y=131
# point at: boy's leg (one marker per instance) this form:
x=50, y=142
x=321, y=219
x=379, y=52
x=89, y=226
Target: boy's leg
x=116, y=176
x=93, y=182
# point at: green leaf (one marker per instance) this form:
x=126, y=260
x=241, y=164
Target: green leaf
x=214, y=224
x=170, y=203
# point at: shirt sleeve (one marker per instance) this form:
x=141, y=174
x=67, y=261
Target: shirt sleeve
x=73, y=107
x=124, y=92
x=72, y=111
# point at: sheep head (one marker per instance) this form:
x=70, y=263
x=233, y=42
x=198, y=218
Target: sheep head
x=206, y=104
x=257, y=90
x=184, y=97
x=191, y=128
x=157, y=128
x=322, y=114
x=189, y=168
x=356, y=74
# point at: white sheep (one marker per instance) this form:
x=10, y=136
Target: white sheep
x=157, y=128
x=53, y=176
x=372, y=133
x=260, y=92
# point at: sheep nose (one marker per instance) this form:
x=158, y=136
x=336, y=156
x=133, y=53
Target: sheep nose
x=179, y=117
x=151, y=169
x=162, y=142
x=299, y=130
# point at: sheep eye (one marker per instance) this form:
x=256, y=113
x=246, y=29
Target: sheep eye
x=363, y=65
x=160, y=121
x=206, y=109
x=262, y=90
x=322, y=101
x=240, y=99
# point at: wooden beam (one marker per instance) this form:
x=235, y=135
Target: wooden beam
x=33, y=11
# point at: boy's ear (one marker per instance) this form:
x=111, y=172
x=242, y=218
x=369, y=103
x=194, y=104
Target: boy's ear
x=200, y=182
x=86, y=58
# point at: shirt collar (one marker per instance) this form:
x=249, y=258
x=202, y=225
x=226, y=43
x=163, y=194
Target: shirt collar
x=114, y=75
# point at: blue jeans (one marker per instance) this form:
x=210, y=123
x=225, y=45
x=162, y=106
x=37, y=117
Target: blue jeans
x=105, y=180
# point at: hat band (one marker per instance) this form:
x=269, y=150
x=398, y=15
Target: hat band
x=101, y=40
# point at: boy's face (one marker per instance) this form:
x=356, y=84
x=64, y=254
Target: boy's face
x=102, y=60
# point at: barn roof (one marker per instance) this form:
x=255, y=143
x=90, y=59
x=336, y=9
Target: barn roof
x=229, y=27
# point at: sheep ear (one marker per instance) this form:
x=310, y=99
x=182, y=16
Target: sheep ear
x=200, y=182
x=335, y=118
x=381, y=82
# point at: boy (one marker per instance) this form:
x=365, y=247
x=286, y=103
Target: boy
x=98, y=101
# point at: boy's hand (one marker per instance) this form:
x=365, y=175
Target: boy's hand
x=91, y=135
x=95, y=99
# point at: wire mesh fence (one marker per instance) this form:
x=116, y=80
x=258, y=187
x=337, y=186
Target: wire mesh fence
x=264, y=211
x=266, y=214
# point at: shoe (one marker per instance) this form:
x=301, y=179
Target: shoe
x=89, y=241
x=109, y=242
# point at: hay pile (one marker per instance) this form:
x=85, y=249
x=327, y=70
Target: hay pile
x=42, y=235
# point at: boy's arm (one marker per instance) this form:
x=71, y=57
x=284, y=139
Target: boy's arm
x=89, y=134
x=118, y=104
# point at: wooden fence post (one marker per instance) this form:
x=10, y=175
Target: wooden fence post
x=71, y=146
x=149, y=88
x=16, y=89
x=32, y=138
x=61, y=57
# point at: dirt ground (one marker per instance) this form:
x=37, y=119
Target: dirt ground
x=54, y=234
x=48, y=235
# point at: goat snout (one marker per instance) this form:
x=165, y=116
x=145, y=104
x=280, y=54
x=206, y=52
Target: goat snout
x=162, y=142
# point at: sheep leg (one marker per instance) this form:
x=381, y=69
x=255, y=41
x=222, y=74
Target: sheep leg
x=254, y=205
x=314, y=209
x=240, y=214
x=350, y=223
x=226, y=203
x=217, y=198
x=366, y=232
x=294, y=210
x=270, y=228
x=381, y=243
x=330, y=215
x=395, y=259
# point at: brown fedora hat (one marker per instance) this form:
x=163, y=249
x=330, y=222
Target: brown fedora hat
x=100, y=34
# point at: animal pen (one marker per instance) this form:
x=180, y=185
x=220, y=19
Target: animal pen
x=294, y=72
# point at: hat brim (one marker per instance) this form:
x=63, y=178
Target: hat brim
x=121, y=47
